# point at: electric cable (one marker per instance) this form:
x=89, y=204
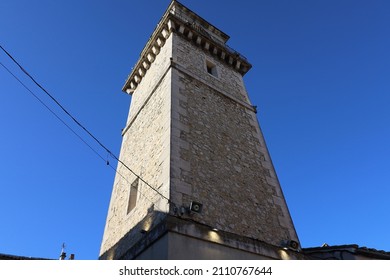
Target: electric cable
x=51, y=111
x=83, y=127
x=72, y=130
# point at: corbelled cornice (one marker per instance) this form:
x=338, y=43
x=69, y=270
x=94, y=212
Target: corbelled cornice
x=187, y=24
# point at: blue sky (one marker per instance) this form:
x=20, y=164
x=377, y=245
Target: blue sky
x=320, y=79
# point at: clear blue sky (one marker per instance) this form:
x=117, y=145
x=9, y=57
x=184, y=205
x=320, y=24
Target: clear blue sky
x=320, y=79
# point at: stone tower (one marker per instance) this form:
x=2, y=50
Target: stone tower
x=198, y=181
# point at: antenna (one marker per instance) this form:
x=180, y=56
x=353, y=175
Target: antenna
x=63, y=254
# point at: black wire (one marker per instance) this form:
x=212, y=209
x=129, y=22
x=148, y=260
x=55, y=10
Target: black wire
x=82, y=127
x=124, y=178
x=74, y=132
x=51, y=111
x=55, y=100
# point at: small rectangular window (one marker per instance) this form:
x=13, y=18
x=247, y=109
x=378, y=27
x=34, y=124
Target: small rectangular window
x=133, y=196
x=211, y=68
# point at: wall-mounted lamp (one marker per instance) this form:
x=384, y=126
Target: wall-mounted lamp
x=292, y=244
x=196, y=207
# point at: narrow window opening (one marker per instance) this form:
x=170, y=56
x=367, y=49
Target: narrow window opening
x=133, y=196
x=211, y=68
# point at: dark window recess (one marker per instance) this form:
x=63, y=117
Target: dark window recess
x=211, y=68
x=133, y=196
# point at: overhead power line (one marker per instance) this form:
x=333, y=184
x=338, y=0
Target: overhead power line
x=72, y=130
x=76, y=121
x=51, y=111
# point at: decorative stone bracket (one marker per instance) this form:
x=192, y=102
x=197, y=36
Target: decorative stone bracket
x=172, y=21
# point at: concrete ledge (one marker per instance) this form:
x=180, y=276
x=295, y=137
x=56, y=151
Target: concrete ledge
x=232, y=245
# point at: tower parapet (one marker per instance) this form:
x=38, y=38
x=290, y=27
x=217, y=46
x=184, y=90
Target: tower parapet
x=193, y=28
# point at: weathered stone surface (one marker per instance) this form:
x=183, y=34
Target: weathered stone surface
x=192, y=135
x=145, y=149
x=226, y=171
x=227, y=80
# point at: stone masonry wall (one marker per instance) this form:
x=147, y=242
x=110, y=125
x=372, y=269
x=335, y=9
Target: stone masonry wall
x=194, y=59
x=145, y=149
x=158, y=67
x=221, y=159
x=194, y=137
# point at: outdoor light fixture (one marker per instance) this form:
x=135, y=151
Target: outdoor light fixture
x=196, y=207
x=292, y=244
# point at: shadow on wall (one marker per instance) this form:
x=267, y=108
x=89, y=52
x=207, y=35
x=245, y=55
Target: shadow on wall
x=139, y=237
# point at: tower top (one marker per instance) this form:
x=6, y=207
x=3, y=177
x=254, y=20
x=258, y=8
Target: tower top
x=189, y=17
x=178, y=18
